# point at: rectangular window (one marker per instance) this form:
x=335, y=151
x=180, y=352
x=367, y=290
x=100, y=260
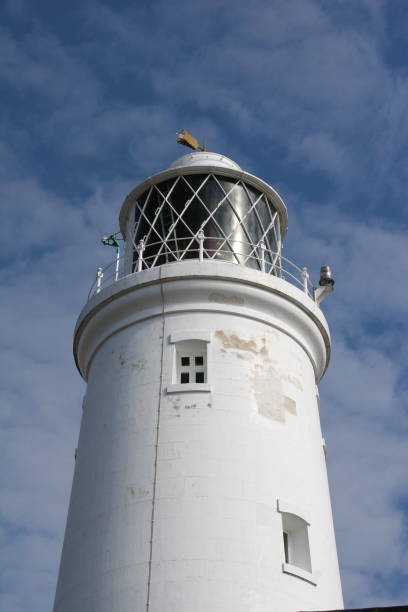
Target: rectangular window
x=296, y=541
x=191, y=362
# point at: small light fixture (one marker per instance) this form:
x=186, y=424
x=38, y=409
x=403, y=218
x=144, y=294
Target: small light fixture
x=326, y=284
x=326, y=277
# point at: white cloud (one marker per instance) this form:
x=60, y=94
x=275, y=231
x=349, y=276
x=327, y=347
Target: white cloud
x=294, y=76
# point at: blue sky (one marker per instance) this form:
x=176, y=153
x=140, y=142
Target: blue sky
x=309, y=95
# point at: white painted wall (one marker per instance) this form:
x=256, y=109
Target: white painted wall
x=207, y=467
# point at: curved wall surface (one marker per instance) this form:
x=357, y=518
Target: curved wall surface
x=180, y=490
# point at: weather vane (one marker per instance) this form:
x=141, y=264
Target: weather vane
x=186, y=139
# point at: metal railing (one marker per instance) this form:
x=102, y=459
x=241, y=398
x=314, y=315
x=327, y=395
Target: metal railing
x=203, y=248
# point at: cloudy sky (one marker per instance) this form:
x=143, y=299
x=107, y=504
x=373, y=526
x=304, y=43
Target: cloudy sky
x=309, y=95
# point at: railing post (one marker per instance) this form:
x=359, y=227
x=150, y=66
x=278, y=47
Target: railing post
x=99, y=277
x=117, y=264
x=201, y=236
x=262, y=247
x=305, y=277
x=140, y=250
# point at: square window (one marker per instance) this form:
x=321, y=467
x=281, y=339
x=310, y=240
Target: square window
x=185, y=361
x=199, y=361
x=199, y=377
x=185, y=378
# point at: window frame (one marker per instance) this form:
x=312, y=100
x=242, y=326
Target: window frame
x=296, y=542
x=181, y=349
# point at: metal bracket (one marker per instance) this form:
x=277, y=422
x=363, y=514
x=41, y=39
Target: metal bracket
x=319, y=293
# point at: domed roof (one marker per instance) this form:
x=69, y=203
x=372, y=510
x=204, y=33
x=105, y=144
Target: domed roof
x=204, y=158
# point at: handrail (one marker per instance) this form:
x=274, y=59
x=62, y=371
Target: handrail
x=203, y=248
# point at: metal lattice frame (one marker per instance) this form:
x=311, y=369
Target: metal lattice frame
x=177, y=240
x=238, y=219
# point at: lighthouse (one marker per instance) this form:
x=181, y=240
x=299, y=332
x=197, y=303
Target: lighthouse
x=200, y=478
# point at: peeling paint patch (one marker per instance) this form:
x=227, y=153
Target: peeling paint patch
x=293, y=381
x=271, y=402
x=245, y=356
x=233, y=341
x=175, y=404
x=221, y=298
x=140, y=364
x=289, y=404
x=270, y=407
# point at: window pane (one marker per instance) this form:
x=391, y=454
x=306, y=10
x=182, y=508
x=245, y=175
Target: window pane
x=185, y=377
x=286, y=546
x=199, y=361
x=199, y=377
x=185, y=361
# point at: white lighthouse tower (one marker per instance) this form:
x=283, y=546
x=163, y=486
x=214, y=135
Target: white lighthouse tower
x=200, y=482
